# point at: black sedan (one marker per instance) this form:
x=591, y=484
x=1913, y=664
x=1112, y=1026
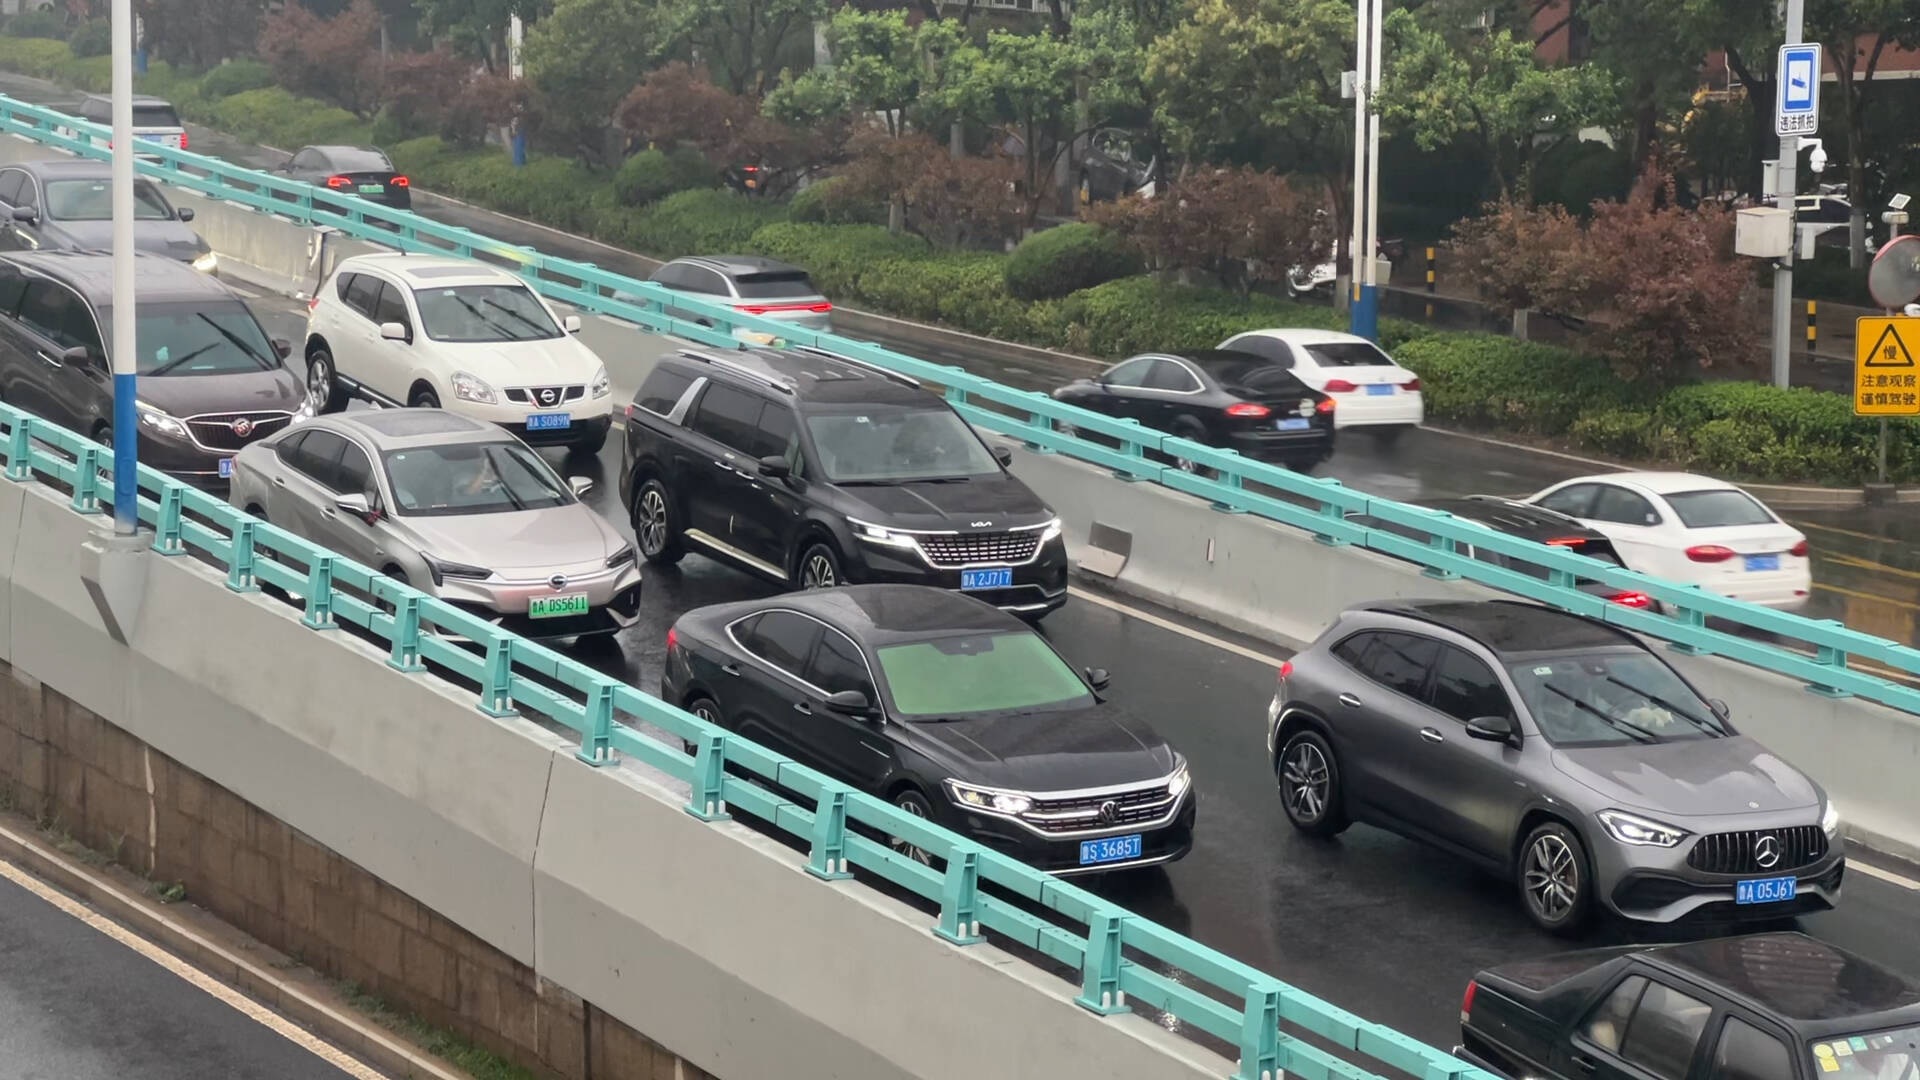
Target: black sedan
x=946, y=707
x=1762, y=1007
x=361, y=171
x=1232, y=400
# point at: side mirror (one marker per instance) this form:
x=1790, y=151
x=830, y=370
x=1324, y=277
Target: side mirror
x=394, y=331
x=26, y=214
x=77, y=354
x=1098, y=678
x=580, y=485
x=1491, y=729
x=850, y=703
x=775, y=467
x=358, y=506
x=1003, y=455
x=185, y=213
x=571, y=324
x=1719, y=708
x=282, y=348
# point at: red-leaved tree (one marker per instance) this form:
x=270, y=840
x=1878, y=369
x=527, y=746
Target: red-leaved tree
x=676, y=106
x=949, y=201
x=336, y=60
x=448, y=95
x=1238, y=225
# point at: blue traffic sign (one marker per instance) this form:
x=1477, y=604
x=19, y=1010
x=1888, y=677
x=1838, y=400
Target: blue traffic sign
x=1798, y=111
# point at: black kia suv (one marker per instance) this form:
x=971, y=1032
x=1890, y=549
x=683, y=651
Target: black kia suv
x=817, y=470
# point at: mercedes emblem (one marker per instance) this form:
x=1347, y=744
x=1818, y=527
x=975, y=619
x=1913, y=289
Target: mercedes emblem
x=242, y=427
x=1109, y=811
x=558, y=582
x=1766, y=852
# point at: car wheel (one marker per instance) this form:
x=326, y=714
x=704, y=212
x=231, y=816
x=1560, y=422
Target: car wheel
x=654, y=525
x=819, y=568
x=1309, y=779
x=590, y=445
x=424, y=398
x=1554, y=880
x=705, y=709
x=916, y=804
x=1387, y=434
x=1191, y=431
x=1300, y=280
x=323, y=384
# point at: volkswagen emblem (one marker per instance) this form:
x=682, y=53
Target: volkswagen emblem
x=242, y=427
x=547, y=395
x=557, y=582
x=1109, y=811
x=1766, y=852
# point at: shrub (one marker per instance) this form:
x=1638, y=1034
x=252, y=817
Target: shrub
x=1482, y=380
x=652, y=175
x=676, y=106
x=44, y=23
x=836, y=255
x=91, y=39
x=694, y=222
x=1140, y=314
x=831, y=201
x=1054, y=262
x=235, y=77
x=39, y=57
x=274, y=116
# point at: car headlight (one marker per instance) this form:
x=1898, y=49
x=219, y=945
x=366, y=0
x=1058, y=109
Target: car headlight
x=878, y=534
x=1830, y=819
x=1638, y=831
x=1181, y=780
x=160, y=420
x=1051, y=533
x=602, y=386
x=998, y=802
x=206, y=262
x=621, y=557
x=471, y=388
x=305, y=411
x=442, y=568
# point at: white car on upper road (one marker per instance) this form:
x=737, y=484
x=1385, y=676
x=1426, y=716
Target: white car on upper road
x=1691, y=530
x=1369, y=390
x=460, y=335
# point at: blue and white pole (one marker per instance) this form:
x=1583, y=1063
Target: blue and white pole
x=1364, y=318
x=126, y=424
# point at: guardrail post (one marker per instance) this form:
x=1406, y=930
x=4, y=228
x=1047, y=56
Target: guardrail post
x=1232, y=480
x=707, y=801
x=1260, y=1034
x=1100, y=971
x=596, y=743
x=166, y=522
x=1133, y=449
x=1691, y=619
x=406, y=634
x=20, y=449
x=1828, y=656
x=828, y=859
x=240, y=562
x=86, y=480
x=960, y=899
x=1445, y=545
x=319, y=614
x=496, y=679
x=1045, y=422
x=1331, y=512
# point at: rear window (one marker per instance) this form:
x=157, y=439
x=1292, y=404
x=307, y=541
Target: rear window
x=1718, y=509
x=775, y=286
x=1348, y=354
x=359, y=161
x=1257, y=376
x=155, y=116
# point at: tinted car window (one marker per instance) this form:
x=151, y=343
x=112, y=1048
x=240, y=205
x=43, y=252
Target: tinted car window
x=1718, y=509
x=701, y=280
x=355, y=475
x=289, y=448
x=728, y=416
x=783, y=639
x=307, y=160
x=1664, y=1031
x=1265, y=347
x=777, y=436
x=1608, y=1021
x=672, y=275
x=992, y=672
x=155, y=116
x=319, y=457
x=837, y=665
x=359, y=161
x=774, y=286
x=29, y=194
x=363, y=292
x=1466, y=689
x=1573, y=501
x=1624, y=507
x=341, y=284
x=13, y=284
x=1400, y=662
x=1607, y=699
x=391, y=307
x=662, y=390
x=53, y=310
x=1130, y=373
x=1744, y=1052
x=1348, y=354
x=1354, y=648
x=1169, y=376
x=1254, y=375
x=898, y=444
x=10, y=182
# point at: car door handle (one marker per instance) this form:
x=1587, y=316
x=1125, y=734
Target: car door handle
x=731, y=669
x=53, y=360
x=803, y=708
x=1351, y=701
x=279, y=481
x=1584, y=1062
x=1431, y=735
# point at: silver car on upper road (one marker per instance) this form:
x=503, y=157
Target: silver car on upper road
x=1554, y=750
x=456, y=508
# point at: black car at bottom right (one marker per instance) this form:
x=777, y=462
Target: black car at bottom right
x=1776, y=1006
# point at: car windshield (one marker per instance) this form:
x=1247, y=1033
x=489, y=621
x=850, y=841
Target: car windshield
x=484, y=313
x=472, y=478
x=220, y=338
x=1348, y=354
x=1884, y=1055
x=978, y=673
x=92, y=200
x=882, y=446
x=1718, y=509
x=1606, y=699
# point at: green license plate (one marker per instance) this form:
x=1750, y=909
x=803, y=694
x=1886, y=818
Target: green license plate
x=372, y=189
x=552, y=607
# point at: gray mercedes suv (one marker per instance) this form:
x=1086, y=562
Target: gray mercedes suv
x=1554, y=750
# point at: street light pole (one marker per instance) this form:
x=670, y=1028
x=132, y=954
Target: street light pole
x=1786, y=186
x=126, y=424
x=1364, y=318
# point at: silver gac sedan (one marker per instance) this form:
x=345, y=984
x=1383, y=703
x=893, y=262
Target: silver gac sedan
x=456, y=508
x=1556, y=751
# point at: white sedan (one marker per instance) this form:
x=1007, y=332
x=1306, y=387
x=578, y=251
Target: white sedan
x=1691, y=530
x=1369, y=390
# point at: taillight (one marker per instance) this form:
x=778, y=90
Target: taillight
x=1247, y=409
x=312, y=303
x=762, y=309
x=400, y=181
x=183, y=140
x=1466, y=1000
x=629, y=415
x=1566, y=541
x=1710, y=553
x=672, y=639
x=1410, y=384
x=1340, y=386
x=1632, y=599
x=1286, y=670
x=338, y=181
x=1326, y=405
x=1799, y=550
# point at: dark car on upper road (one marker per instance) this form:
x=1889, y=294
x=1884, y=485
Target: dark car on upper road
x=1556, y=751
x=66, y=204
x=814, y=470
x=1780, y=1006
x=363, y=172
x=211, y=382
x=947, y=708
x=1234, y=400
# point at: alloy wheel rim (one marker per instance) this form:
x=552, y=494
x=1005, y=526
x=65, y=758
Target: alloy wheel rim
x=901, y=845
x=1187, y=466
x=1307, y=778
x=818, y=574
x=1552, y=877
x=705, y=712
x=319, y=382
x=653, y=522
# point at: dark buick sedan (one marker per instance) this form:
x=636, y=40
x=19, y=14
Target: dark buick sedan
x=947, y=707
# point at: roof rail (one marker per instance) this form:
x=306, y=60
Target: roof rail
x=904, y=380
x=785, y=386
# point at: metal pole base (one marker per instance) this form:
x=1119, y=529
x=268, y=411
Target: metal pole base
x=1365, y=321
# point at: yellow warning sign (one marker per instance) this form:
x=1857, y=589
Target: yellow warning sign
x=1886, y=373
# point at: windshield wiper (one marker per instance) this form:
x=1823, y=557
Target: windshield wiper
x=539, y=330
x=482, y=316
x=1714, y=726
x=876, y=482
x=181, y=359
x=1639, y=733
x=239, y=342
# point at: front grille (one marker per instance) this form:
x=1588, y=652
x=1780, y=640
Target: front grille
x=1738, y=852
x=215, y=431
x=1086, y=812
x=970, y=549
x=545, y=396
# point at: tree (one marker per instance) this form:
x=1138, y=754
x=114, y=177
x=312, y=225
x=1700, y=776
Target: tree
x=1029, y=79
x=445, y=94
x=200, y=33
x=1744, y=31
x=1238, y=225
x=336, y=60
x=674, y=106
x=951, y=202
x=740, y=40
x=588, y=54
x=1856, y=35
x=877, y=69
x=1656, y=59
x=478, y=28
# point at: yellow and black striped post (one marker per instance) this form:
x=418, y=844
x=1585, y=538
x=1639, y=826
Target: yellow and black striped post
x=1813, y=326
x=1430, y=281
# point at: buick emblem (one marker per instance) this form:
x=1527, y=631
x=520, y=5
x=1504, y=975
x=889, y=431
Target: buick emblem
x=1109, y=811
x=547, y=396
x=242, y=427
x=558, y=582
x=1766, y=852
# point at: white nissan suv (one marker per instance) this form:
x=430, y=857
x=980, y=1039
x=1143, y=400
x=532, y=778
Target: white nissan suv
x=460, y=335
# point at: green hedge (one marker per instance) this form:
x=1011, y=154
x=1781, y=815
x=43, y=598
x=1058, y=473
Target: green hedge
x=652, y=175
x=91, y=39
x=48, y=25
x=274, y=117
x=1067, y=258
x=235, y=77
x=1141, y=314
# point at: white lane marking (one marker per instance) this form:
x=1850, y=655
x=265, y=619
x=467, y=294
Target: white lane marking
x=1887, y=876
x=1168, y=624
x=252, y=1010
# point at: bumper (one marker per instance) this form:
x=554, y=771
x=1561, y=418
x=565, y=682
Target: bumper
x=1038, y=587
x=1310, y=447
x=581, y=430
x=1655, y=886
x=185, y=462
x=1362, y=409
x=613, y=603
x=1164, y=844
x=1787, y=591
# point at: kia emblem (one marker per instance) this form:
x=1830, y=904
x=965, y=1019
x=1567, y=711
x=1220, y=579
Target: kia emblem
x=981, y=525
x=1109, y=811
x=242, y=427
x=557, y=582
x=1766, y=852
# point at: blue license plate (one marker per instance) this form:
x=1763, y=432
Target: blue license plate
x=1771, y=890
x=1763, y=562
x=226, y=468
x=1293, y=423
x=149, y=138
x=552, y=421
x=1109, y=849
x=1380, y=389
x=998, y=578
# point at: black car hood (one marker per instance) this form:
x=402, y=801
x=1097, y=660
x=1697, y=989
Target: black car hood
x=999, y=501
x=173, y=239
x=1093, y=747
x=246, y=391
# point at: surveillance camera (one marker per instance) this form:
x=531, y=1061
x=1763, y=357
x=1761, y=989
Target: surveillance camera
x=1818, y=159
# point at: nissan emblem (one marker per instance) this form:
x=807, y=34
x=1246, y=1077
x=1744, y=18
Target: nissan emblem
x=1766, y=852
x=242, y=427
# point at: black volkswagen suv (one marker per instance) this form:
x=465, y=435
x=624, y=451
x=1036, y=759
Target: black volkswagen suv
x=816, y=470
x=946, y=708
